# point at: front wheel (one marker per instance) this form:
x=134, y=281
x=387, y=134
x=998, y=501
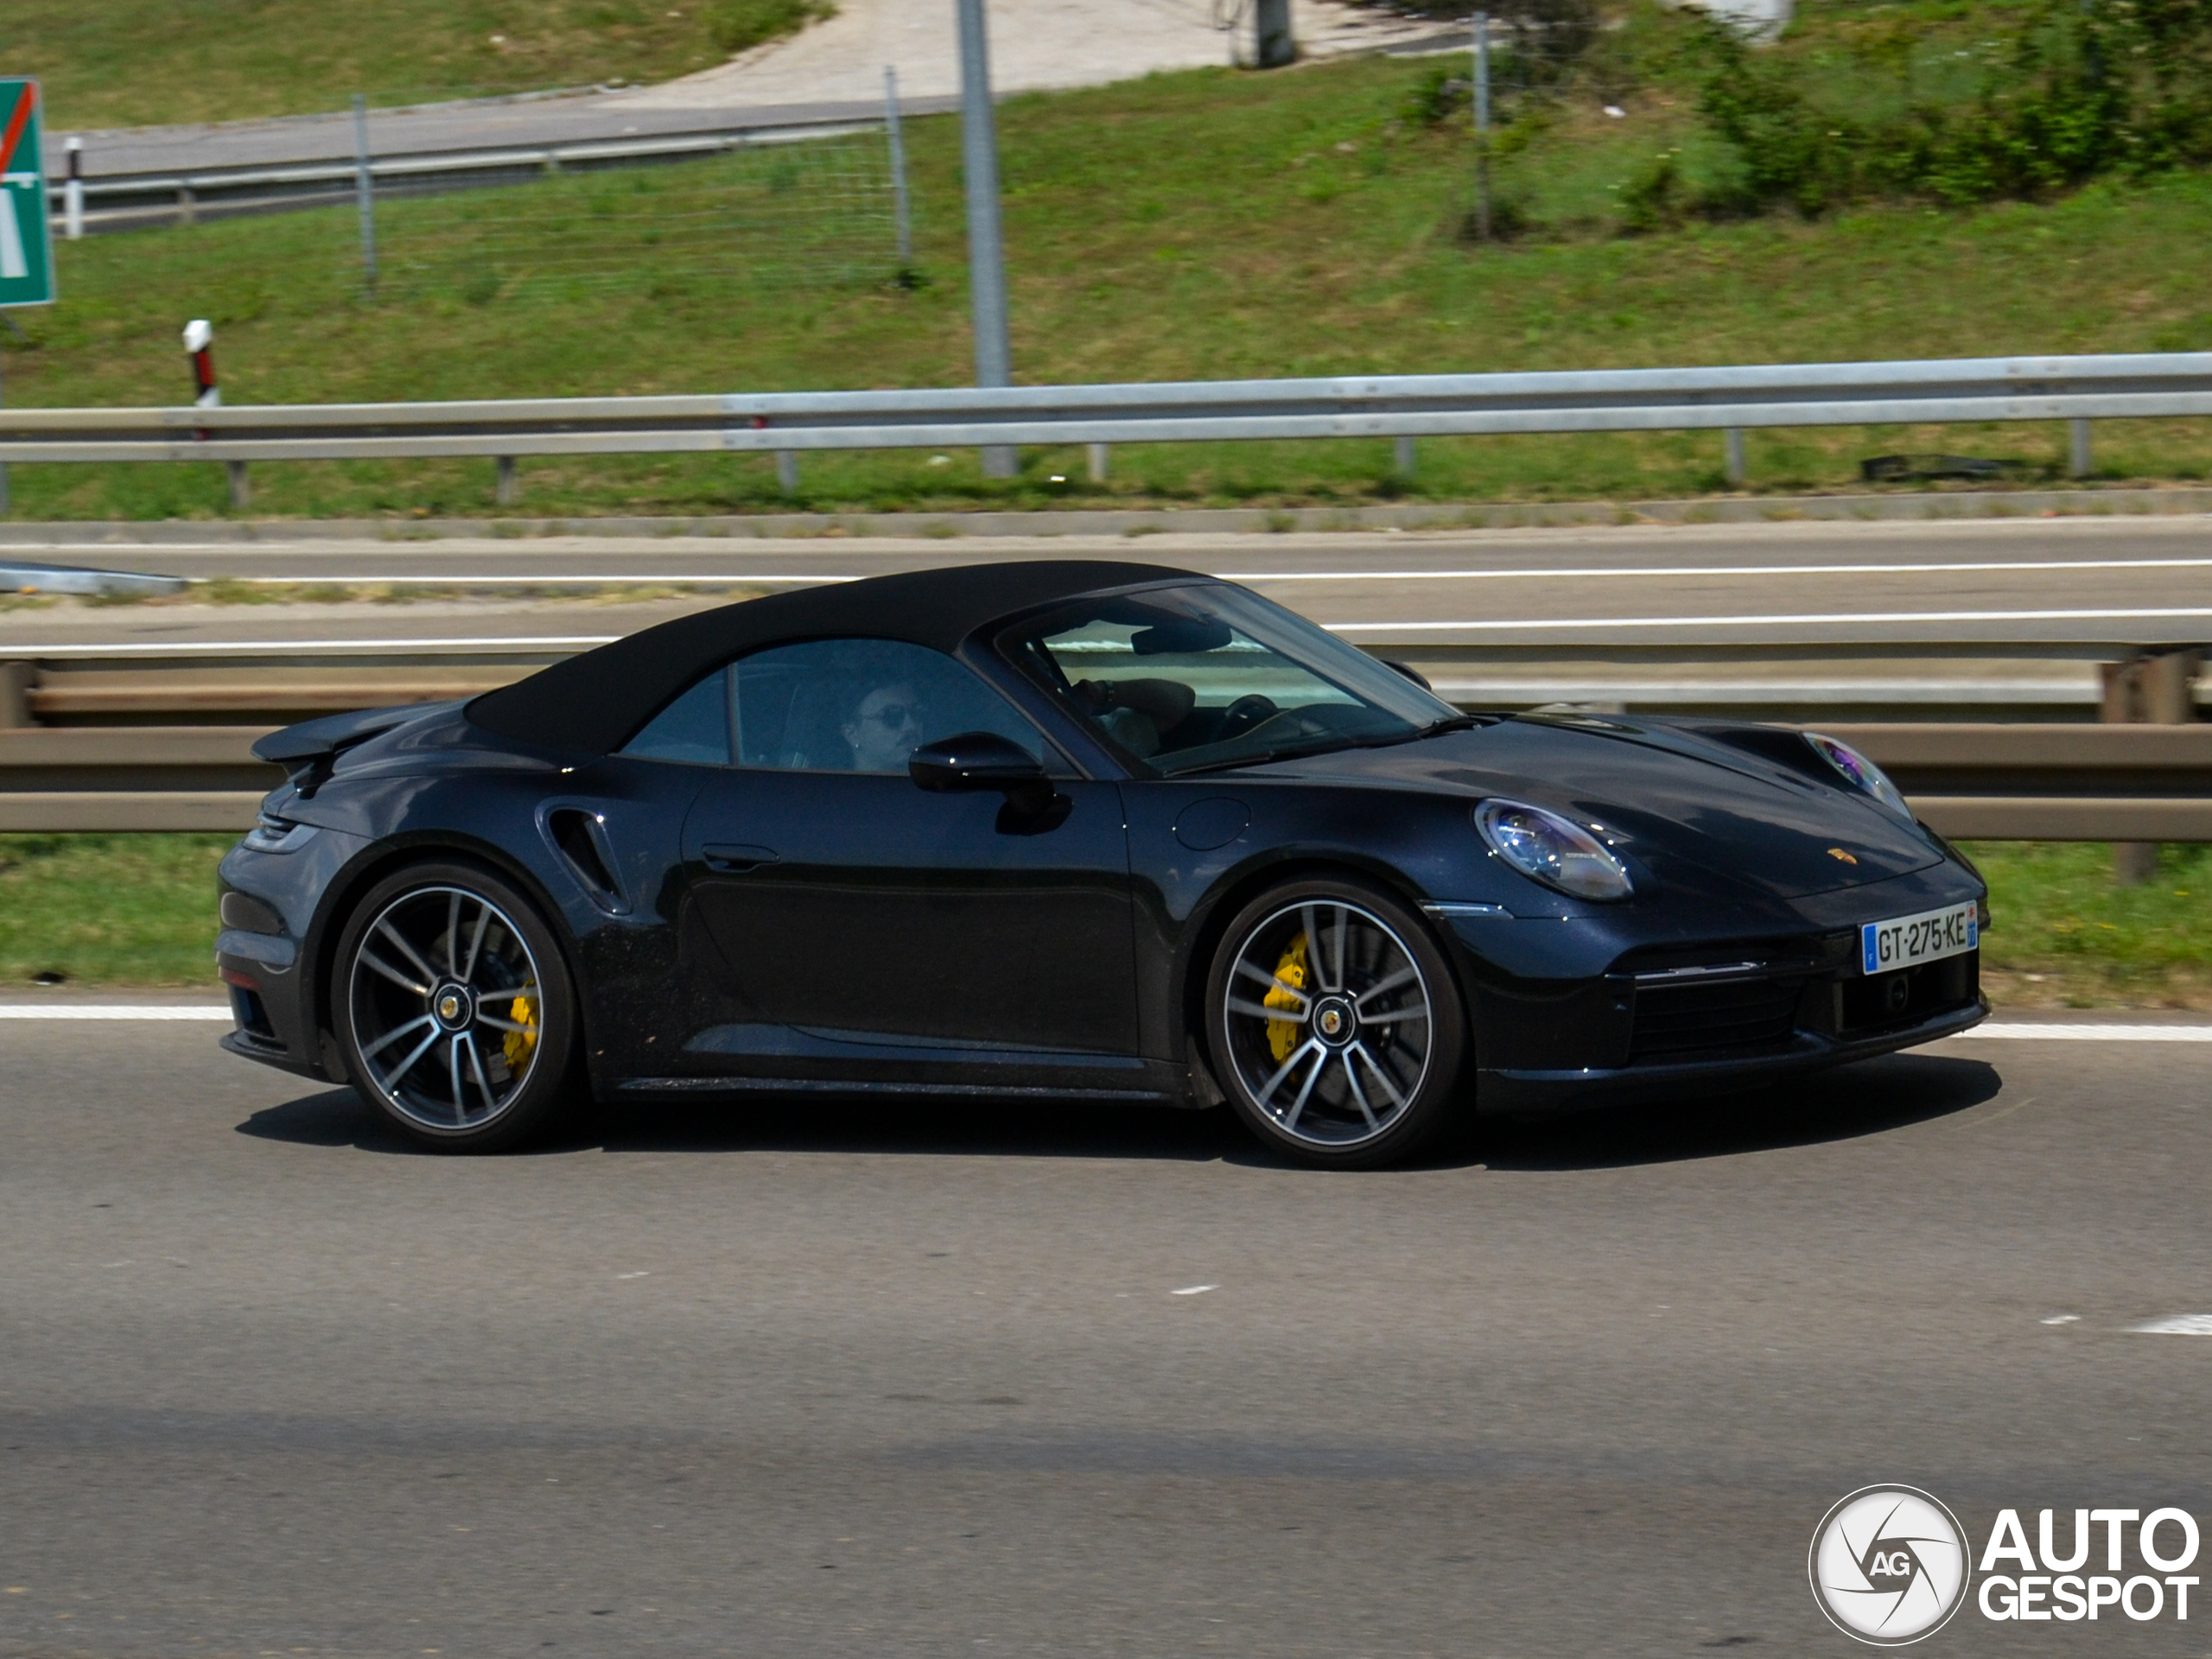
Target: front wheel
x=454, y=1008
x=1335, y=1026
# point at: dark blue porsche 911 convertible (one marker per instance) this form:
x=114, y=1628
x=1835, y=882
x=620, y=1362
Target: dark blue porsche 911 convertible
x=1087, y=832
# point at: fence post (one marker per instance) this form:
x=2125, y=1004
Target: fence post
x=787, y=472
x=899, y=203
x=2077, y=448
x=241, y=491
x=1732, y=449
x=1481, y=126
x=1403, y=455
x=1099, y=456
x=72, y=193
x=979, y=166
x=2151, y=688
x=365, y=191
x=16, y=680
x=507, y=489
x=1273, y=43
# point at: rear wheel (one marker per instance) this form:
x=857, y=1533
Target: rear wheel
x=454, y=1008
x=1335, y=1026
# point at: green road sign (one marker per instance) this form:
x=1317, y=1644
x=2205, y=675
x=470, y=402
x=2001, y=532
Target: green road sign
x=26, y=249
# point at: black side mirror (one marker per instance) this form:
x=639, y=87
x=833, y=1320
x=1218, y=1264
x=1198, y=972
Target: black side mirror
x=974, y=761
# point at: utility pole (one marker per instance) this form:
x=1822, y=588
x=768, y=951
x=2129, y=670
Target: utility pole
x=979, y=164
x=1481, y=126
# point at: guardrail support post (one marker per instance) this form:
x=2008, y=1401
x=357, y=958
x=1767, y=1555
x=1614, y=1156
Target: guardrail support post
x=2151, y=688
x=787, y=472
x=1733, y=450
x=15, y=682
x=2077, y=448
x=187, y=211
x=508, y=489
x=1404, y=454
x=241, y=489
x=1099, y=456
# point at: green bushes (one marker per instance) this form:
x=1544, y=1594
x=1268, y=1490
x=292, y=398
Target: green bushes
x=2059, y=94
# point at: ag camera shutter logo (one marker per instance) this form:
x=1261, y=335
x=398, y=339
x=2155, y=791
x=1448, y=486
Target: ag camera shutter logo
x=1888, y=1565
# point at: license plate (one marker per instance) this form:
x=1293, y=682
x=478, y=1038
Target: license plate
x=1928, y=936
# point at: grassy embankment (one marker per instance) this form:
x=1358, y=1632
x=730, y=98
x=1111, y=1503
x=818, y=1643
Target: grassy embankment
x=135, y=910
x=1199, y=225
x=123, y=63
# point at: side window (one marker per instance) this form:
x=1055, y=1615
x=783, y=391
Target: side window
x=694, y=730
x=861, y=705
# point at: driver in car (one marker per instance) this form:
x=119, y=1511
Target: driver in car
x=885, y=726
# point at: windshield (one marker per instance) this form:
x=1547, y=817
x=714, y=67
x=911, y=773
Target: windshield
x=1181, y=679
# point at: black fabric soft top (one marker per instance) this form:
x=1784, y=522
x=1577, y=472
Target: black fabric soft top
x=593, y=703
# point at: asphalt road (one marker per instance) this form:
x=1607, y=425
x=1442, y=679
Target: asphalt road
x=816, y=1379
x=2051, y=583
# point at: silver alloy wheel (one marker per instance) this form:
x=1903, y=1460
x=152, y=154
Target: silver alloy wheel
x=448, y=1015
x=1329, y=1022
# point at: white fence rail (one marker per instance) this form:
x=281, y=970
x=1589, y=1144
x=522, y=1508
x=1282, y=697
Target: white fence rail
x=2074, y=388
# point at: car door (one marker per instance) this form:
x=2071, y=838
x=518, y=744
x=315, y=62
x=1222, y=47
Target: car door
x=851, y=905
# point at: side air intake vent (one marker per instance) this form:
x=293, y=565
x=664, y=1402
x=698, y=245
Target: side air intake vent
x=581, y=839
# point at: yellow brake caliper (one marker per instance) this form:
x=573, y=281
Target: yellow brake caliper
x=517, y=1045
x=1282, y=1034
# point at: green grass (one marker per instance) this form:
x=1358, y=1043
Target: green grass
x=1209, y=224
x=109, y=909
x=118, y=63
x=2064, y=936
x=139, y=909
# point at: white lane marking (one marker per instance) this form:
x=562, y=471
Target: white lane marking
x=114, y=1011
x=195, y=647
x=1193, y=1290
x=2176, y=1325
x=1675, y=570
x=633, y=1276
x=2089, y=1033
x=2064, y=1318
x=1796, y=619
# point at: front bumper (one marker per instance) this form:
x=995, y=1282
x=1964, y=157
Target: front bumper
x=1512, y=1092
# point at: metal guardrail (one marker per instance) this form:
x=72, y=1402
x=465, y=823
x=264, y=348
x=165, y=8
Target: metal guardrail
x=1996, y=782
x=2077, y=389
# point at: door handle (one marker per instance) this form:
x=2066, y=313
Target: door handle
x=734, y=860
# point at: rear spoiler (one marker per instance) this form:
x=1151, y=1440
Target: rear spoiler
x=309, y=750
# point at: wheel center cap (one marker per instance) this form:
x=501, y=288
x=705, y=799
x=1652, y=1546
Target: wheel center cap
x=453, y=1007
x=1334, y=1019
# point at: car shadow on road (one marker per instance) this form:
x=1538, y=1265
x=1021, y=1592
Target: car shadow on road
x=758, y=1123
x=1867, y=1099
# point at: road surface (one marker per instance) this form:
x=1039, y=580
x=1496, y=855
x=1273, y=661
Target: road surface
x=800, y=1378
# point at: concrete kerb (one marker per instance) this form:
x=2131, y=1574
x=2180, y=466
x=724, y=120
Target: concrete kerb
x=1138, y=523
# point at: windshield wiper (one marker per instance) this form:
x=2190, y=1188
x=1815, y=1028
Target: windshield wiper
x=1260, y=758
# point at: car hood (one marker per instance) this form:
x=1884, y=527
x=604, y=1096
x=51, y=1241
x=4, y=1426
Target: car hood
x=1691, y=804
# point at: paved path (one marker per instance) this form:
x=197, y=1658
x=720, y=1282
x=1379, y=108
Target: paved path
x=832, y=72
x=813, y=1379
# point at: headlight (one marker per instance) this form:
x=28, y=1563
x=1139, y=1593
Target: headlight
x=1860, y=773
x=1553, y=850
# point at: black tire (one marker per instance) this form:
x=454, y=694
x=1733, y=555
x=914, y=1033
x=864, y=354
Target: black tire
x=1307, y=1057
x=453, y=969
